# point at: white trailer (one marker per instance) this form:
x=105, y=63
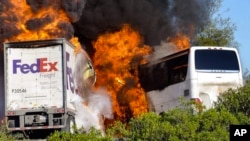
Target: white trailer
x=39, y=84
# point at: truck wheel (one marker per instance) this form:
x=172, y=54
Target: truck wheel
x=70, y=125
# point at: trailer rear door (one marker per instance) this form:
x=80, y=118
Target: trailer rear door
x=34, y=77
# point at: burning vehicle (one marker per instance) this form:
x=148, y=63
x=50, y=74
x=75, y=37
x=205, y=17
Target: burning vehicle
x=42, y=91
x=200, y=73
x=117, y=35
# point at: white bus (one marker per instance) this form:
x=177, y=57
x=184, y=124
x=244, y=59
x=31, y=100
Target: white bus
x=200, y=73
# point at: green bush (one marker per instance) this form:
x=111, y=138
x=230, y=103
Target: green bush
x=235, y=101
x=214, y=125
x=5, y=135
x=183, y=121
x=149, y=127
x=178, y=124
x=93, y=135
x=118, y=130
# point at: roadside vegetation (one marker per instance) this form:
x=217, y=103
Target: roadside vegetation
x=5, y=135
x=181, y=123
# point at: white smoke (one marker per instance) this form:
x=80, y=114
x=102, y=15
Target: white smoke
x=84, y=117
x=100, y=102
x=92, y=106
x=160, y=51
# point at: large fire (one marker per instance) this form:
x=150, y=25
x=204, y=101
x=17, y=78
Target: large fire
x=116, y=59
x=45, y=23
x=181, y=41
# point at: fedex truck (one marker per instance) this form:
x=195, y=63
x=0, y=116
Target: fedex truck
x=200, y=73
x=39, y=84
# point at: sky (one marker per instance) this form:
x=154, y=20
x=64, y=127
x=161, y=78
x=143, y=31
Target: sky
x=239, y=13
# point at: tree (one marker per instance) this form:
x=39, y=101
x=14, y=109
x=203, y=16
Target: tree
x=218, y=32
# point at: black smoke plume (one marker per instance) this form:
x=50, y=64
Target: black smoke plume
x=156, y=20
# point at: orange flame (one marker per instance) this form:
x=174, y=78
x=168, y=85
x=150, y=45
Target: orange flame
x=181, y=41
x=52, y=16
x=116, y=59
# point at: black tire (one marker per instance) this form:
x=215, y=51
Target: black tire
x=70, y=124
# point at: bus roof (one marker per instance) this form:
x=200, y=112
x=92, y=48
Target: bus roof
x=169, y=56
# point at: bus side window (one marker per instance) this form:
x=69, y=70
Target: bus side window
x=154, y=77
x=179, y=73
x=178, y=69
x=163, y=74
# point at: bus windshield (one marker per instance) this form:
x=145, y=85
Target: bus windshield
x=225, y=60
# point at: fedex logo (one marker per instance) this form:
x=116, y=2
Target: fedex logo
x=69, y=72
x=41, y=65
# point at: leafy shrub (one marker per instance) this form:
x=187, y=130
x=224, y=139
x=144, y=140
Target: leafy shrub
x=93, y=135
x=183, y=121
x=214, y=125
x=149, y=127
x=179, y=124
x=235, y=101
x=118, y=130
x=5, y=135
